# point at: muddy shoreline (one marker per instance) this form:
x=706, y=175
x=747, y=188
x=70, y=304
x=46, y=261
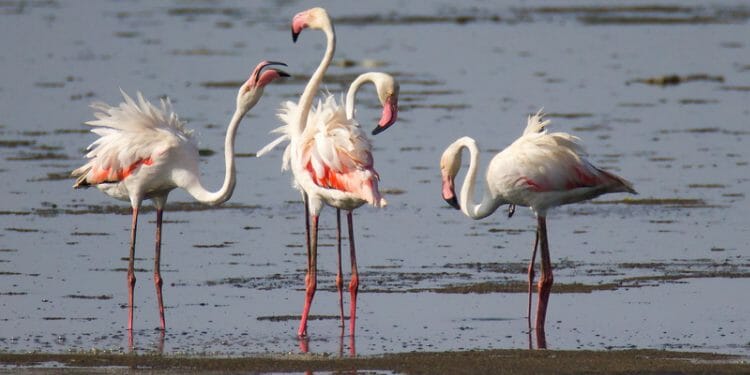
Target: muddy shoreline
x=461, y=362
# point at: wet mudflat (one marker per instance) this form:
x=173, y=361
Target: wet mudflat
x=465, y=362
x=657, y=92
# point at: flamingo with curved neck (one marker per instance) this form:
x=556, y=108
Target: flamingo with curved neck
x=538, y=170
x=144, y=152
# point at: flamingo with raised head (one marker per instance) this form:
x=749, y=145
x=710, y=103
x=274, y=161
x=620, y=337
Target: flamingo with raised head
x=539, y=170
x=331, y=160
x=338, y=139
x=144, y=152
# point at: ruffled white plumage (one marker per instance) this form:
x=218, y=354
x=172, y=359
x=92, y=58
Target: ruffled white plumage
x=329, y=142
x=129, y=133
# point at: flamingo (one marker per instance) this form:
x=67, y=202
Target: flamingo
x=336, y=171
x=144, y=152
x=332, y=125
x=539, y=170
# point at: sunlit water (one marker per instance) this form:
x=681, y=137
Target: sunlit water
x=678, y=260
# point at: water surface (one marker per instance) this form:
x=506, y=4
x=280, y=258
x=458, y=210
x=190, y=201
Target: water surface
x=657, y=92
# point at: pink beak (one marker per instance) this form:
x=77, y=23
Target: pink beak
x=449, y=192
x=389, y=116
x=299, y=22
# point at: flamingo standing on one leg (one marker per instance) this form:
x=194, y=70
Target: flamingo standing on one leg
x=340, y=141
x=144, y=152
x=538, y=170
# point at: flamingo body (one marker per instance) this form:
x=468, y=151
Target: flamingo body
x=139, y=146
x=332, y=159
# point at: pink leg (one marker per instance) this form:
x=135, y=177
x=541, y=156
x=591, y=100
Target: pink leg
x=311, y=277
x=339, y=278
x=354, y=283
x=131, y=268
x=307, y=227
x=531, y=276
x=545, y=283
x=158, y=281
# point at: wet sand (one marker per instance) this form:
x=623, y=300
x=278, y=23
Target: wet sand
x=468, y=362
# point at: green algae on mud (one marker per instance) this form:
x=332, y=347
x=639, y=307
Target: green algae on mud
x=515, y=361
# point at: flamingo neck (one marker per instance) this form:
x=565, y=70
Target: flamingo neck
x=351, y=95
x=220, y=196
x=489, y=203
x=306, y=100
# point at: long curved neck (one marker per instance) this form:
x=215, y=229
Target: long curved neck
x=489, y=203
x=351, y=95
x=306, y=100
x=220, y=196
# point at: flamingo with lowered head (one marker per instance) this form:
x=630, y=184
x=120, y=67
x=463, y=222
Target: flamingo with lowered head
x=539, y=170
x=144, y=152
x=341, y=146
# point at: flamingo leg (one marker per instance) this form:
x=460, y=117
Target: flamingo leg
x=545, y=283
x=131, y=267
x=311, y=278
x=158, y=281
x=531, y=275
x=354, y=283
x=307, y=227
x=339, y=278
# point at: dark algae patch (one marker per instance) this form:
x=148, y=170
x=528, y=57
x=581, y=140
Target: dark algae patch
x=473, y=362
x=674, y=79
x=672, y=202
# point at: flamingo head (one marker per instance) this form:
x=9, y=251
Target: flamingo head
x=251, y=91
x=314, y=18
x=387, y=89
x=450, y=163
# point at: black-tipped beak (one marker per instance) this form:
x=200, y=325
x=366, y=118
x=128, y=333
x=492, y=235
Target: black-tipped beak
x=453, y=202
x=267, y=63
x=378, y=129
x=257, y=72
x=449, y=194
x=282, y=73
x=388, y=118
x=294, y=35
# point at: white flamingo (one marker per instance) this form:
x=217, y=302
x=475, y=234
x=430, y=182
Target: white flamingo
x=341, y=146
x=144, y=152
x=539, y=170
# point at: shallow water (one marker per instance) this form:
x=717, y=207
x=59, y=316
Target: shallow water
x=664, y=269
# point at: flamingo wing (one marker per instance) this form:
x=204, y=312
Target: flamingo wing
x=543, y=162
x=131, y=135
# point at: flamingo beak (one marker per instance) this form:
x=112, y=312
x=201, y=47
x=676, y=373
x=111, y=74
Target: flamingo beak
x=388, y=117
x=299, y=22
x=449, y=193
x=295, y=34
x=259, y=78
